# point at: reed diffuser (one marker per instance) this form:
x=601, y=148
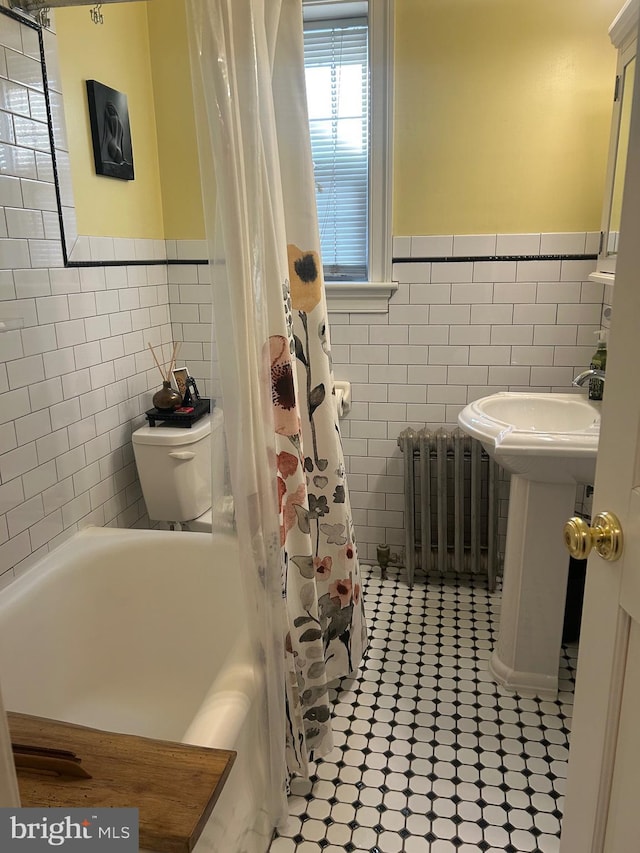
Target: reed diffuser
x=167, y=398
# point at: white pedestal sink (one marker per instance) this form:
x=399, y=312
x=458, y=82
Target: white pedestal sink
x=549, y=444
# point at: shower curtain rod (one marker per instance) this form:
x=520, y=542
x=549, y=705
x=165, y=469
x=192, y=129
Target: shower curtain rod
x=32, y=6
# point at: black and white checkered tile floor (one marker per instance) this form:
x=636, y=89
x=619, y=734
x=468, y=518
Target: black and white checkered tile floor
x=431, y=756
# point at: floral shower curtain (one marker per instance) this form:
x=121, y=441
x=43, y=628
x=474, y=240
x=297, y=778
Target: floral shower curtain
x=285, y=455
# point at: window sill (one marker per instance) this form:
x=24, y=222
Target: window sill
x=354, y=297
x=602, y=277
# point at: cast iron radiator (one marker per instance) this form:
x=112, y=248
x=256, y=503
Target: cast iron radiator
x=451, y=499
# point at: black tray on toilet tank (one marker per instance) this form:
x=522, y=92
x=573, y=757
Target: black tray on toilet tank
x=181, y=419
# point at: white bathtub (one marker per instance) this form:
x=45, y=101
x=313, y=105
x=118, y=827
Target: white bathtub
x=144, y=632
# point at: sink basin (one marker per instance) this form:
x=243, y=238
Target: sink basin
x=550, y=438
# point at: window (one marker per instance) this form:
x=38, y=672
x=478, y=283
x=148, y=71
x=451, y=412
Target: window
x=337, y=74
x=348, y=64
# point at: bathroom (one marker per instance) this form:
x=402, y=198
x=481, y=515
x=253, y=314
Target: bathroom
x=500, y=133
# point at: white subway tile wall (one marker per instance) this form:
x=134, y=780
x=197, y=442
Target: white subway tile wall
x=190, y=294
x=77, y=388
x=455, y=331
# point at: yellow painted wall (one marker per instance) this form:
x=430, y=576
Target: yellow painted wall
x=502, y=115
x=115, y=53
x=177, y=142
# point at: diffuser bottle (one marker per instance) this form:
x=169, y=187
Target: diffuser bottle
x=167, y=398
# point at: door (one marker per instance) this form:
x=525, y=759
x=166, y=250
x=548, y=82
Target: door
x=602, y=811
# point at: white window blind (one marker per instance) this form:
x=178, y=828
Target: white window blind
x=337, y=79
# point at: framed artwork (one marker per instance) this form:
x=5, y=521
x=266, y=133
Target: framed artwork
x=110, y=131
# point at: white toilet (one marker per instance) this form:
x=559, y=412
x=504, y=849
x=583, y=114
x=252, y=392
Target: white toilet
x=181, y=471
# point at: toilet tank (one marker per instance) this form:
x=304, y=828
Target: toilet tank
x=175, y=467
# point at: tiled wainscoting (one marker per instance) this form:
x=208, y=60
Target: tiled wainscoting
x=190, y=293
x=456, y=329
x=472, y=315
x=76, y=378
x=75, y=381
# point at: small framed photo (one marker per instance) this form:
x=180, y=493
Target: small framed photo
x=181, y=378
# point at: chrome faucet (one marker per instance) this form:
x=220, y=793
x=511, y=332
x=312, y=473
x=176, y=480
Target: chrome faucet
x=591, y=373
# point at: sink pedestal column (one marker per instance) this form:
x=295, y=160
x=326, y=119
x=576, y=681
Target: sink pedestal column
x=527, y=655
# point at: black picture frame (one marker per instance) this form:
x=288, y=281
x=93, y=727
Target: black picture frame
x=193, y=390
x=110, y=131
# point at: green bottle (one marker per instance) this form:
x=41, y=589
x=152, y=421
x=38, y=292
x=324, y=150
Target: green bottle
x=598, y=362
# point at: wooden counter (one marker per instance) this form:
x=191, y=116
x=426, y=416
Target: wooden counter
x=174, y=785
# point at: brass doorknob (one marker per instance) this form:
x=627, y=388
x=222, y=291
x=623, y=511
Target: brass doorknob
x=605, y=536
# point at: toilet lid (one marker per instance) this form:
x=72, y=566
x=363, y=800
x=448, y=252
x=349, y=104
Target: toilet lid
x=172, y=435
